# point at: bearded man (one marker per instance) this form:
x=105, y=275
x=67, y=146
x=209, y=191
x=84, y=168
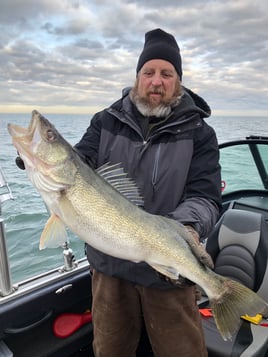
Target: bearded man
x=158, y=133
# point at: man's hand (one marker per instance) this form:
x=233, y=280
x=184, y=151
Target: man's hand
x=199, y=252
x=197, y=248
x=193, y=232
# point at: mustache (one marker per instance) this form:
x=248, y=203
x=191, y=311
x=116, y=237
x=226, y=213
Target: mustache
x=155, y=91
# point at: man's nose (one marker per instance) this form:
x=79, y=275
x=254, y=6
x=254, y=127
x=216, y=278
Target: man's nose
x=156, y=80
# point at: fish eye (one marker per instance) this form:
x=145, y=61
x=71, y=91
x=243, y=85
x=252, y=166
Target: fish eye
x=51, y=135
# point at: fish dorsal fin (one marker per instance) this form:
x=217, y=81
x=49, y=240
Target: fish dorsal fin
x=116, y=177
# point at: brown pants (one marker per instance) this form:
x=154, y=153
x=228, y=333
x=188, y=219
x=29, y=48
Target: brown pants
x=171, y=318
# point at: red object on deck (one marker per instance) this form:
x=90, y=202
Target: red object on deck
x=67, y=323
x=206, y=312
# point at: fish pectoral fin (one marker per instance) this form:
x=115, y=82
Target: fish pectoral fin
x=167, y=271
x=54, y=234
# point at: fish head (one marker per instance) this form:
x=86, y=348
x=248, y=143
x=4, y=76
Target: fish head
x=48, y=158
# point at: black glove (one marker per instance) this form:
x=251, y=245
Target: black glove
x=19, y=162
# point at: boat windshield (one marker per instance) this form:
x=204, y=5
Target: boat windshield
x=244, y=164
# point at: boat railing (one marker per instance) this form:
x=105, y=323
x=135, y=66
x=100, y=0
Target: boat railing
x=6, y=287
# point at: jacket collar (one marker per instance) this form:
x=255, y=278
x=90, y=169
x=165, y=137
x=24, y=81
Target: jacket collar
x=187, y=115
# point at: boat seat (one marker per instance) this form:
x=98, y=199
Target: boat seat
x=239, y=248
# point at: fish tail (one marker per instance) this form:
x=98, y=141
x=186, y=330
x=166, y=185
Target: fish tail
x=236, y=301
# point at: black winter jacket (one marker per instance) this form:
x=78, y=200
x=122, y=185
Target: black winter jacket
x=176, y=167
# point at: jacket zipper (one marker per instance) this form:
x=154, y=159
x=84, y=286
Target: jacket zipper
x=156, y=165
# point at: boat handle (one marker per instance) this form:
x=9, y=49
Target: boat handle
x=63, y=289
x=15, y=330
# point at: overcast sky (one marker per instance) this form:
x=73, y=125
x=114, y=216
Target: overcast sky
x=76, y=56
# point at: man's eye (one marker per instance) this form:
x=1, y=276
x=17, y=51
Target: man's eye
x=167, y=75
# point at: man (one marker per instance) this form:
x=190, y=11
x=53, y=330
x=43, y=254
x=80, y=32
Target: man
x=158, y=134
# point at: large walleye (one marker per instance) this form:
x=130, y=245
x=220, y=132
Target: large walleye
x=81, y=199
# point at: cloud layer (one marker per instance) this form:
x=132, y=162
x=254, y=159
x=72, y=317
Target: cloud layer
x=78, y=55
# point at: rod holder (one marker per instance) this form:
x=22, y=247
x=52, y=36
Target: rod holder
x=70, y=262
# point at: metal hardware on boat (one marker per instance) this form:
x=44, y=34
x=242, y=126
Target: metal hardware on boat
x=69, y=259
x=63, y=289
x=4, y=350
x=5, y=193
x=6, y=287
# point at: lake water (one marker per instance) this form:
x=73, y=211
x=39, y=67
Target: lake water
x=25, y=217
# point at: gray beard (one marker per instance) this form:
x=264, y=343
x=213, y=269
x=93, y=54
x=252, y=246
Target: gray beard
x=147, y=110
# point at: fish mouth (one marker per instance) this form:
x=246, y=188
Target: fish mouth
x=17, y=131
x=44, y=162
x=26, y=140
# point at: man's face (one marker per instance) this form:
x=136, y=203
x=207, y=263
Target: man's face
x=157, y=83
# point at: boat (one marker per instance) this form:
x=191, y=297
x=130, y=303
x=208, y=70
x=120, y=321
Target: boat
x=49, y=314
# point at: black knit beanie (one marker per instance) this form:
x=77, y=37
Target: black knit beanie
x=160, y=45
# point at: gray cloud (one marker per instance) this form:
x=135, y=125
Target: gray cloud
x=81, y=53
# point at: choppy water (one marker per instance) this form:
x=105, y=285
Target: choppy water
x=26, y=216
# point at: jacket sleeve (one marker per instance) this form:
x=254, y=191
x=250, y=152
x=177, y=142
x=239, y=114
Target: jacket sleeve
x=201, y=201
x=88, y=147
